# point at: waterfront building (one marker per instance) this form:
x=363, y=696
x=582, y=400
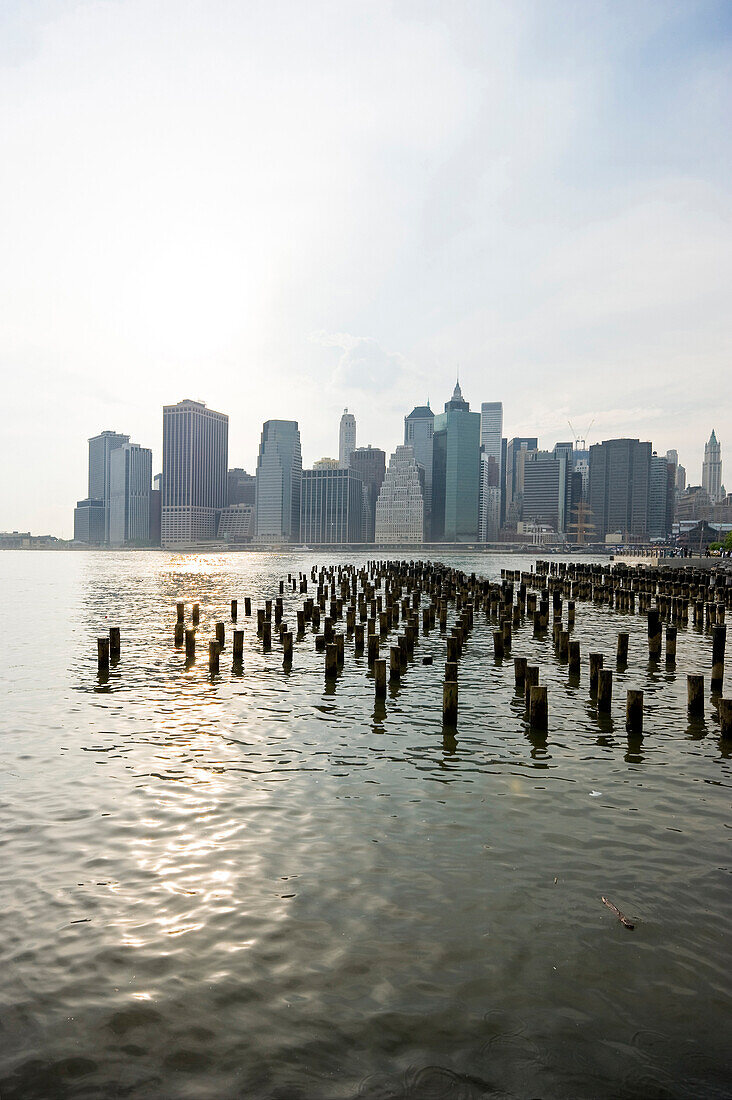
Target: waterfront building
x=346, y=439
x=370, y=463
x=658, y=526
x=514, y=468
x=130, y=489
x=195, y=461
x=620, y=471
x=419, y=430
x=240, y=487
x=490, y=499
x=400, y=507
x=491, y=433
x=711, y=469
x=89, y=522
x=331, y=506
x=236, y=523
x=100, y=450
x=327, y=464
x=547, y=487
x=279, y=477
x=456, y=472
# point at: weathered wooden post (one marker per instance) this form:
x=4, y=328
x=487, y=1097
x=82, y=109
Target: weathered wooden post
x=574, y=657
x=178, y=634
x=671, y=645
x=634, y=712
x=358, y=638
x=563, y=645
x=180, y=608
x=103, y=655
x=380, y=678
x=220, y=636
x=114, y=643
x=395, y=664
x=213, y=656
x=331, y=660
x=238, y=650
x=519, y=672
x=449, y=703
x=530, y=680
x=506, y=630
x=538, y=707
x=266, y=635
x=340, y=642
x=725, y=718
x=373, y=651
x=605, y=691
x=719, y=634
x=596, y=662
x=622, y=658
x=498, y=650
x=190, y=645
x=195, y=614
x=453, y=648
x=287, y=647
x=695, y=695
x=654, y=633
x=234, y=610
x=247, y=605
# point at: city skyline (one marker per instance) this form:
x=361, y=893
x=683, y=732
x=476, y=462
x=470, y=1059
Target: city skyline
x=536, y=194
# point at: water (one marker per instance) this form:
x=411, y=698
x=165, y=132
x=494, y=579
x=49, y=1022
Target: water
x=254, y=887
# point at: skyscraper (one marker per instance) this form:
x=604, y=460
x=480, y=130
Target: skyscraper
x=89, y=522
x=331, y=506
x=240, y=487
x=346, y=439
x=130, y=488
x=711, y=469
x=370, y=463
x=456, y=472
x=490, y=499
x=279, y=476
x=195, y=460
x=547, y=487
x=514, y=469
x=100, y=450
x=620, y=472
x=419, y=429
x=400, y=507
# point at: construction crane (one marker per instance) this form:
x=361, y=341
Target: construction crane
x=581, y=439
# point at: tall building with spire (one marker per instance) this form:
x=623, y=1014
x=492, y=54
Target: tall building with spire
x=400, y=507
x=456, y=472
x=346, y=439
x=712, y=469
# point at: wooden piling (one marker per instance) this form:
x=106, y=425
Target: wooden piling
x=220, y=634
x=519, y=672
x=574, y=657
x=538, y=707
x=671, y=645
x=178, y=634
x=634, y=711
x=449, y=703
x=238, y=650
x=373, y=651
x=103, y=655
x=331, y=659
x=380, y=678
x=725, y=718
x=498, y=648
x=654, y=633
x=213, y=656
x=695, y=695
x=234, y=609
x=719, y=634
x=596, y=662
x=605, y=691
x=530, y=680
x=114, y=643
x=195, y=614
x=266, y=635
x=395, y=664
x=287, y=647
x=180, y=608
x=622, y=656
x=190, y=645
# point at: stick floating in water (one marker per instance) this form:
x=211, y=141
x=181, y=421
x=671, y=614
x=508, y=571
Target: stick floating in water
x=621, y=916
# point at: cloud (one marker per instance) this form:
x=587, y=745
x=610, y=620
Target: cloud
x=363, y=364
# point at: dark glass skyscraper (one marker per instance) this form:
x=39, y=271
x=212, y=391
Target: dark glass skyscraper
x=100, y=451
x=456, y=472
x=331, y=506
x=620, y=473
x=279, y=475
x=370, y=463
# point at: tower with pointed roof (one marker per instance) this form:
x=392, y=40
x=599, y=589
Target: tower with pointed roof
x=456, y=472
x=712, y=469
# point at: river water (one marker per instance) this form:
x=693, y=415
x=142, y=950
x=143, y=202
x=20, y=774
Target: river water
x=253, y=886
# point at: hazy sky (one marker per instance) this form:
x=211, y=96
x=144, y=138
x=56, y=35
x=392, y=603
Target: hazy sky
x=286, y=208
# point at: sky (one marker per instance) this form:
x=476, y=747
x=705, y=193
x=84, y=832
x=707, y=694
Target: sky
x=284, y=209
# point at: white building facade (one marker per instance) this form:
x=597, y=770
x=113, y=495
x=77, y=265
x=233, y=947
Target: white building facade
x=400, y=506
x=346, y=439
x=712, y=469
x=195, y=462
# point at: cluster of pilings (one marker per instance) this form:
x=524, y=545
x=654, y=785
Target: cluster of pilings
x=380, y=608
